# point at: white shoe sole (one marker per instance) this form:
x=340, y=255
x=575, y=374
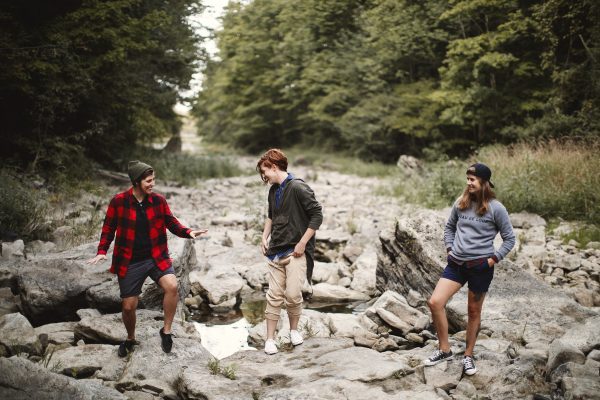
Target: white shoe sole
x=428, y=363
x=471, y=372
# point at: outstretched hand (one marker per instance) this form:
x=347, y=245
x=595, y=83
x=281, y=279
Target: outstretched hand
x=98, y=258
x=197, y=233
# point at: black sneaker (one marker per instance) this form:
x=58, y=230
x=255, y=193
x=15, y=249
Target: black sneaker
x=437, y=357
x=469, y=366
x=126, y=347
x=166, y=341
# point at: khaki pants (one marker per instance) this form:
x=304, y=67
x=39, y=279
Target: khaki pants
x=286, y=278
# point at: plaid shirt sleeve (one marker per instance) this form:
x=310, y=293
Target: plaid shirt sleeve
x=173, y=223
x=109, y=228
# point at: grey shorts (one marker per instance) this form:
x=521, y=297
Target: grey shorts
x=136, y=275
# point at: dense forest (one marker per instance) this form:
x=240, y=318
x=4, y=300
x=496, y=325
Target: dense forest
x=380, y=78
x=91, y=78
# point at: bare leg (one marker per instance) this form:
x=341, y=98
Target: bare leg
x=271, y=327
x=475, y=305
x=169, y=285
x=128, y=307
x=294, y=322
x=444, y=290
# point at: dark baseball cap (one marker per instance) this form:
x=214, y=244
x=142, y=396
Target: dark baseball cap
x=481, y=171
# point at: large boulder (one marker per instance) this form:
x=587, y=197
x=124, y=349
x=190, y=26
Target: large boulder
x=217, y=276
x=9, y=275
x=327, y=291
x=412, y=255
x=257, y=276
x=18, y=336
x=12, y=250
x=97, y=360
x=363, y=272
x=52, y=289
x=9, y=303
x=319, y=369
x=149, y=369
x=393, y=309
x=217, y=287
x=326, y=273
x=109, y=328
x=21, y=379
x=526, y=220
x=561, y=352
x=58, y=333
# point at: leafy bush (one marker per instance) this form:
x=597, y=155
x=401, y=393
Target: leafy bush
x=22, y=209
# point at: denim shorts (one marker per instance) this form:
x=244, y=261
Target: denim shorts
x=131, y=284
x=479, y=276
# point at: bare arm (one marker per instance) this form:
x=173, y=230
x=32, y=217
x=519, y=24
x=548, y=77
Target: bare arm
x=266, y=235
x=301, y=246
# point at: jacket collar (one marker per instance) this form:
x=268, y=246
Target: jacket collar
x=133, y=200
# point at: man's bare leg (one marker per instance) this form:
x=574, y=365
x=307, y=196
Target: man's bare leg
x=128, y=307
x=169, y=284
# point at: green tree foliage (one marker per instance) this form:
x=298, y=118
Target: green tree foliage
x=379, y=78
x=90, y=77
x=492, y=78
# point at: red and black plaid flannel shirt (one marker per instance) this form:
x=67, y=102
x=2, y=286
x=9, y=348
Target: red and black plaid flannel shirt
x=121, y=216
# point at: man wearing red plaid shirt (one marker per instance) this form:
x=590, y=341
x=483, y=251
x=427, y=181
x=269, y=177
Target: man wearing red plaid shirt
x=140, y=219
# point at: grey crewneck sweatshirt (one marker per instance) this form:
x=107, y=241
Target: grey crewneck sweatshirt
x=471, y=236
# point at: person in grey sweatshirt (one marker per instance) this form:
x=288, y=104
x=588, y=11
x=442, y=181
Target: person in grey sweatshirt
x=475, y=220
x=288, y=242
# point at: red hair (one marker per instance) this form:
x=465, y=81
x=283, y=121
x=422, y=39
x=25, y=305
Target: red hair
x=272, y=157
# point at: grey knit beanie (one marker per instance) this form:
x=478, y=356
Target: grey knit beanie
x=136, y=168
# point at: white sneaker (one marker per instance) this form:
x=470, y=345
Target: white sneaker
x=296, y=338
x=270, y=347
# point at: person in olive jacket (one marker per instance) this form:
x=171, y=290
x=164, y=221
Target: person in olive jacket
x=288, y=242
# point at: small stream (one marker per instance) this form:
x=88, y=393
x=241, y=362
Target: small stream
x=224, y=334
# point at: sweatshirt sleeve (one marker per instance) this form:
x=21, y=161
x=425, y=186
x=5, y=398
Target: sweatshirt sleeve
x=450, y=228
x=311, y=206
x=506, y=231
x=109, y=227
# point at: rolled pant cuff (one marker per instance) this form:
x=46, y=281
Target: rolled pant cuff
x=296, y=311
x=272, y=317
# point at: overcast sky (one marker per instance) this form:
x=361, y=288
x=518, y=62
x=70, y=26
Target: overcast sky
x=209, y=19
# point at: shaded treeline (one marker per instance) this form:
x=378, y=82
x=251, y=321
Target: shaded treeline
x=90, y=78
x=379, y=78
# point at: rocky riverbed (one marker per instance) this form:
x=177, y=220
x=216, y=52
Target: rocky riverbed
x=540, y=333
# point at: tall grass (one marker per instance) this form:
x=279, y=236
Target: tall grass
x=337, y=162
x=552, y=179
x=186, y=169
